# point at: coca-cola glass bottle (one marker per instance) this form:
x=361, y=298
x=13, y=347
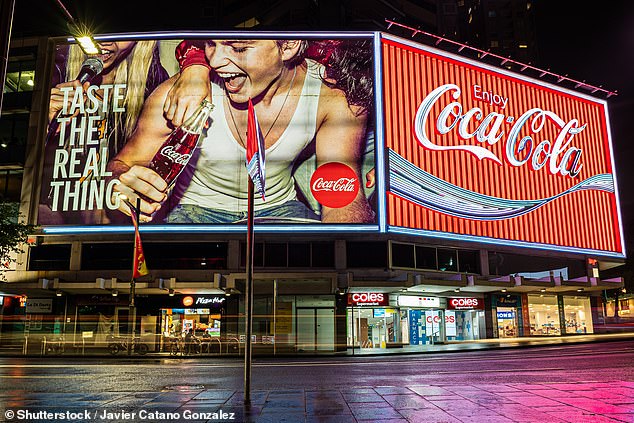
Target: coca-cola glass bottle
x=170, y=160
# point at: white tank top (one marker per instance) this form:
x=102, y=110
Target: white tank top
x=216, y=177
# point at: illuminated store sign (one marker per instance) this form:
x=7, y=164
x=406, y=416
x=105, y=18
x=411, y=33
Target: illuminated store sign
x=480, y=153
x=411, y=301
x=465, y=304
x=201, y=300
x=365, y=299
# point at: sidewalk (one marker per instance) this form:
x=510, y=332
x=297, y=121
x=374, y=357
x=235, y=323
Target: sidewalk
x=510, y=402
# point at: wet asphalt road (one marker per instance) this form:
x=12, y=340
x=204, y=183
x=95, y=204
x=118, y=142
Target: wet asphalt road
x=596, y=362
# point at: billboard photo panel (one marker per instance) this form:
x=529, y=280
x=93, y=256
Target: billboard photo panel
x=478, y=153
x=313, y=98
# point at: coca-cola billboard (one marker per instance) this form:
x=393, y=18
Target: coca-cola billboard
x=478, y=153
x=130, y=130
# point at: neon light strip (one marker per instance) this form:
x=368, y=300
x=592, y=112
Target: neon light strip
x=207, y=229
x=616, y=185
x=501, y=242
x=379, y=136
x=494, y=69
x=225, y=34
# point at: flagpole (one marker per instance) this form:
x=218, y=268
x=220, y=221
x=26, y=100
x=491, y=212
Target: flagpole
x=248, y=297
x=132, y=307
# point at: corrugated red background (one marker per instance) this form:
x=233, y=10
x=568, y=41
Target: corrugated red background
x=586, y=219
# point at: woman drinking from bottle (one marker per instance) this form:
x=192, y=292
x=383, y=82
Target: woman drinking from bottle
x=297, y=108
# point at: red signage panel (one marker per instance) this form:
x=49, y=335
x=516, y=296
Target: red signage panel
x=465, y=304
x=368, y=299
x=478, y=152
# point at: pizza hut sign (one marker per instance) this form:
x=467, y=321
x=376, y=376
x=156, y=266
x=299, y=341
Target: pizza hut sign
x=465, y=304
x=368, y=299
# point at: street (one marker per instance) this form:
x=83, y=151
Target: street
x=584, y=382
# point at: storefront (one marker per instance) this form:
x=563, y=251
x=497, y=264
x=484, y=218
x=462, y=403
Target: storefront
x=578, y=315
x=422, y=320
x=508, y=315
x=371, y=322
x=543, y=311
x=200, y=316
x=465, y=319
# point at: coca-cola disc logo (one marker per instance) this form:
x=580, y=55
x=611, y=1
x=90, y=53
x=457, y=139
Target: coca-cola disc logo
x=334, y=185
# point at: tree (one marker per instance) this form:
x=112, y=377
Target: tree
x=13, y=234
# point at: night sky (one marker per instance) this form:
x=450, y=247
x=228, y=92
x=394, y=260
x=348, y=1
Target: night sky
x=591, y=41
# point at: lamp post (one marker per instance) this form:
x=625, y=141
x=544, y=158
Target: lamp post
x=132, y=307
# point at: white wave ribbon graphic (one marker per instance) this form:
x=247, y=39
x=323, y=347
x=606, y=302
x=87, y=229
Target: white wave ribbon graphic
x=420, y=187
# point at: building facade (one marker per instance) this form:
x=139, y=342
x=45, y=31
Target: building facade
x=482, y=227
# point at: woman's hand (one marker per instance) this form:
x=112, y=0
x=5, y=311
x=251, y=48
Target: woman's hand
x=189, y=90
x=144, y=183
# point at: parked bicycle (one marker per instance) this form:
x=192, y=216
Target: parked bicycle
x=55, y=345
x=116, y=345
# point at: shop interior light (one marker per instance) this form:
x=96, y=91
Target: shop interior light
x=456, y=290
x=504, y=290
x=58, y=293
x=171, y=292
x=115, y=293
x=624, y=290
x=542, y=290
x=580, y=290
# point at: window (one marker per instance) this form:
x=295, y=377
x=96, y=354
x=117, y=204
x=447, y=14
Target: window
x=367, y=254
x=468, y=261
x=447, y=260
x=295, y=254
x=403, y=256
x=426, y=258
x=115, y=256
x=158, y=256
x=14, y=129
x=50, y=257
x=20, y=76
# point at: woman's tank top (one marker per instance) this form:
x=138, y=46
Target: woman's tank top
x=216, y=177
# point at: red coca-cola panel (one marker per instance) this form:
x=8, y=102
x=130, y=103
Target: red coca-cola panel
x=504, y=156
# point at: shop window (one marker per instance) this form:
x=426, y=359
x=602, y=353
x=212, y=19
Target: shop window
x=116, y=256
x=50, y=257
x=403, y=256
x=275, y=255
x=578, y=315
x=323, y=254
x=468, y=261
x=543, y=311
x=447, y=260
x=367, y=254
x=299, y=254
x=426, y=258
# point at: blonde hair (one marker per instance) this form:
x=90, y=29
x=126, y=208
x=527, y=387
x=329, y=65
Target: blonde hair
x=133, y=72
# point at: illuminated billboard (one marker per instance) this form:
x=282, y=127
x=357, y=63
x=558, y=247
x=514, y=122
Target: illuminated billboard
x=121, y=123
x=478, y=153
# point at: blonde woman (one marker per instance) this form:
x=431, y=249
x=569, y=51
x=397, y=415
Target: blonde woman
x=136, y=66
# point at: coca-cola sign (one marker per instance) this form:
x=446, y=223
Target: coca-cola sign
x=334, y=185
x=465, y=304
x=176, y=157
x=368, y=299
x=479, y=152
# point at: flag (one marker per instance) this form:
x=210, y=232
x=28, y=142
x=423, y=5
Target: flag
x=139, y=266
x=255, y=151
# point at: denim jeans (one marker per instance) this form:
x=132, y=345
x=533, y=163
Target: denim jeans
x=190, y=213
